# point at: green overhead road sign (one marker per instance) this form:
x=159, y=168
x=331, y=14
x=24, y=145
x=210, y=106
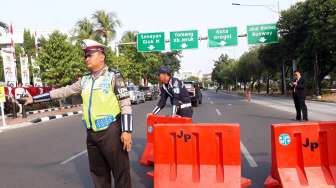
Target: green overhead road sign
x=262, y=34
x=181, y=40
x=222, y=37
x=150, y=42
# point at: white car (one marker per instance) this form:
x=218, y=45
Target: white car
x=135, y=95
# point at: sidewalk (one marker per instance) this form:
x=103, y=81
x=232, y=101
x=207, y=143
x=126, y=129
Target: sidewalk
x=319, y=111
x=19, y=122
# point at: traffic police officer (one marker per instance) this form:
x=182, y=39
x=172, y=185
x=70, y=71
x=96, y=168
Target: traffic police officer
x=174, y=89
x=107, y=115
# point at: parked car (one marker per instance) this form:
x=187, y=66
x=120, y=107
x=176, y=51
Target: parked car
x=141, y=96
x=149, y=92
x=135, y=95
x=194, y=92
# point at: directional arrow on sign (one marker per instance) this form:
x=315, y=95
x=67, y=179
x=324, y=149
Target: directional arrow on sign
x=184, y=45
x=151, y=47
x=262, y=39
x=222, y=43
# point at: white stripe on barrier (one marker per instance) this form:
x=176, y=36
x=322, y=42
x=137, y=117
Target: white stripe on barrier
x=45, y=118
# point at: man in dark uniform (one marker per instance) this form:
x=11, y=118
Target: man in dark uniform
x=299, y=96
x=174, y=89
x=107, y=115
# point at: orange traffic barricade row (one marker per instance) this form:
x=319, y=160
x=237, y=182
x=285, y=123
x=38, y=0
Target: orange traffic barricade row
x=147, y=156
x=303, y=155
x=197, y=155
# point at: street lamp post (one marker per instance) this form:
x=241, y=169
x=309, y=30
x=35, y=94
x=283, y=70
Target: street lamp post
x=277, y=11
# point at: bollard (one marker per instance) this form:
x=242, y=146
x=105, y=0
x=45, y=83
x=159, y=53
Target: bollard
x=24, y=113
x=14, y=109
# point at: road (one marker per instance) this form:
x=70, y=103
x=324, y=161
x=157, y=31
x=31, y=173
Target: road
x=53, y=154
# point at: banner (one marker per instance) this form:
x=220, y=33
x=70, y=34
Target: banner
x=9, y=66
x=25, y=71
x=36, y=74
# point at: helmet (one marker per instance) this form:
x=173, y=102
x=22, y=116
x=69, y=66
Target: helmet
x=164, y=70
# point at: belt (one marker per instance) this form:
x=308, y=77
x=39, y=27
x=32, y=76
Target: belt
x=185, y=105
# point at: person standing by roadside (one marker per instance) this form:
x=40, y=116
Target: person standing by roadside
x=299, y=96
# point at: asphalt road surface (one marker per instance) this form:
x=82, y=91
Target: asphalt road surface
x=53, y=154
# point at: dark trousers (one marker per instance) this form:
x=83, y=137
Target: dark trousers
x=300, y=106
x=105, y=155
x=185, y=112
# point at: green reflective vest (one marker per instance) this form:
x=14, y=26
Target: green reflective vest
x=100, y=104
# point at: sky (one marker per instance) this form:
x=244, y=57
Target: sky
x=149, y=16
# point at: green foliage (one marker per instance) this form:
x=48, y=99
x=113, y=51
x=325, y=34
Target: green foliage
x=29, y=44
x=192, y=78
x=106, y=24
x=60, y=61
x=18, y=54
x=308, y=33
x=309, y=30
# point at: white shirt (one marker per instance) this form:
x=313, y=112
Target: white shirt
x=19, y=92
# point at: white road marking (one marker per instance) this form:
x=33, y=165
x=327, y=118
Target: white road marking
x=229, y=104
x=211, y=102
x=248, y=156
x=218, y=112
x=73, y=157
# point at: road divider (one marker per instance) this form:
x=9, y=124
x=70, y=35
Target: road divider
x=197, y=155
x=303, y=155
x=152, y=120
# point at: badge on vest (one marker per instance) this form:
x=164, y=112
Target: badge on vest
x=105, y=85
x=104, y=122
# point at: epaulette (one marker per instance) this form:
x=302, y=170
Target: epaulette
x=114, y=71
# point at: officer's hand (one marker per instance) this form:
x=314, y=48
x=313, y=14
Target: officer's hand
x=26, y=100
x=126, y=139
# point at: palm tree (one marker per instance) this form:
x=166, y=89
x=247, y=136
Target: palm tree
x=106, y=24
x=129, y=36
x=83, y=30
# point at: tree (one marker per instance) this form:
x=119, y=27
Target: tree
x=135, y=60
x=18, y=54
x=192, y=78
x=60, y=61
x=4, y=26
x=271, y=59
x=84, y=29
x=106, y=24
x=29, y=44
x=224, y=71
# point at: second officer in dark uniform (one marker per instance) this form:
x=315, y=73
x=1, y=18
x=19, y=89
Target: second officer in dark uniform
x=174, y=89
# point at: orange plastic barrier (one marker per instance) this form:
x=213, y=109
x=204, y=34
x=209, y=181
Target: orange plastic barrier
x=303, y=155
x=197, y=156
x=147, y=155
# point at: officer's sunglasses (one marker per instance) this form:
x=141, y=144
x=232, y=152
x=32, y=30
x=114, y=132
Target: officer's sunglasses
x=89, y=54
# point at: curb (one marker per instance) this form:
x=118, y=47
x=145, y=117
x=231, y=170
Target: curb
x=46, y=110
x=52, y=109
x=48, y=118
